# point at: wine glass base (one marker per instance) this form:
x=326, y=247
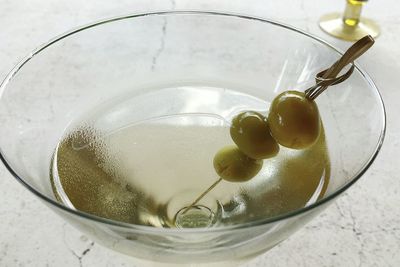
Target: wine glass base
x=333, y=25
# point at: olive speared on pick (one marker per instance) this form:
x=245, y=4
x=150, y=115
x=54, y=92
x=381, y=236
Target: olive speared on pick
x=232, y=165
x=250, y=132
x=294, y=118
x=293, y=121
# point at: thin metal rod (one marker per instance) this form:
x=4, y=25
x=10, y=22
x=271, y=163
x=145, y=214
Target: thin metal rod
x=202, y=195
x=322, y=83
x=329, y=75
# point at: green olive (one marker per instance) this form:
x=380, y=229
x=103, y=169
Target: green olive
x=233, y=165
x=294, y=120
x=250, y=132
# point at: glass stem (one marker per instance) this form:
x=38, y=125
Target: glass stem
x=352, y=12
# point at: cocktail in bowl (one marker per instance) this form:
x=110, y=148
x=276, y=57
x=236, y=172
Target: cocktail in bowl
x=115, y=127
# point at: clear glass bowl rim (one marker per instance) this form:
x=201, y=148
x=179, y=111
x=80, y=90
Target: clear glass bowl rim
x=156, y=230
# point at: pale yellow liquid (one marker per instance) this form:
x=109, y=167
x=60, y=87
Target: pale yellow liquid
x=145, y=173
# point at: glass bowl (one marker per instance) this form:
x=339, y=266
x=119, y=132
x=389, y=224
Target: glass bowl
x=184, y=68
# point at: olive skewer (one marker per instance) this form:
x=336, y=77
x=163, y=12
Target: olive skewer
x=293, y=121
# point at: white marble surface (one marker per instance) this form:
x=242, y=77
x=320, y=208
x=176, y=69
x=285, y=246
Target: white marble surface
x=361, y=229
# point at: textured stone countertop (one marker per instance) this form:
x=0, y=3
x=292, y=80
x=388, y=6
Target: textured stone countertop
x=361, y=229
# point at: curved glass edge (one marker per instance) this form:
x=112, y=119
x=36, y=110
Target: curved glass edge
x=150, y=229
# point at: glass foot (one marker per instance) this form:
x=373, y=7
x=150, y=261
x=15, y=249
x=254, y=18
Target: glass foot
x=333, y=25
